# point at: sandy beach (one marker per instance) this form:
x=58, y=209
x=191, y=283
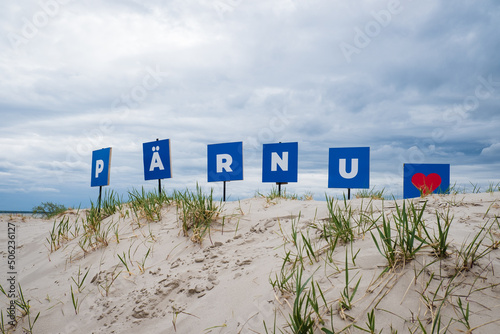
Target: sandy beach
x=263, y=263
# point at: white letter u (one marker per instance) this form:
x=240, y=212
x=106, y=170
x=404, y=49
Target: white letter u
x=354, y=169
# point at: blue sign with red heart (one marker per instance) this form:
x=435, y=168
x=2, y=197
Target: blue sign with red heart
x=424, y=179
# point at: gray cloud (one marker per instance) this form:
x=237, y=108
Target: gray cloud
x=422, y=85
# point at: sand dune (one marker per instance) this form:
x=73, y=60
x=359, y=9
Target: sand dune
x=223, y=285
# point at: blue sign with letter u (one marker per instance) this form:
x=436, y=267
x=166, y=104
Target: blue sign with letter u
x=280, y=162
x=349, y=167
x=156, y=158
x=225, y=162
x=101, y=166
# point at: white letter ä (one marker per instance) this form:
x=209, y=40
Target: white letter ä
x=156, y=162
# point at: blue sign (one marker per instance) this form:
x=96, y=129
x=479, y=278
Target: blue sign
x=101, y=167
x=156, y=157
x=225, y=162
x=280, y=162
x=349, y=168
x=425, y=179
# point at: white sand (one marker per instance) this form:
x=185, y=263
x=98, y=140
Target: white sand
x=223, y=285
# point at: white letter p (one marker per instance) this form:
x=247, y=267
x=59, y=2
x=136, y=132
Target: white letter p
x=99, y=167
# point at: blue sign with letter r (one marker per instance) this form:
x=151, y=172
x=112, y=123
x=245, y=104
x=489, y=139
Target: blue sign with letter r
x=225, y=162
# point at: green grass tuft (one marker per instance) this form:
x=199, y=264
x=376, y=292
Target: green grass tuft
x=196, y=211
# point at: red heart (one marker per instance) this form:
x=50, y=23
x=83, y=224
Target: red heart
x=426, y=184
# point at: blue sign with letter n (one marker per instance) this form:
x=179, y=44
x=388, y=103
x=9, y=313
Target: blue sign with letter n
x=101, y=167
x=225, y=162
x=156, y=158
x=349, y=167
x=280, y=162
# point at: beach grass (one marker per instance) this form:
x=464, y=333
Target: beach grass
x=196, y=212
x=148, y=205
x=317, y=279
x=371, y=193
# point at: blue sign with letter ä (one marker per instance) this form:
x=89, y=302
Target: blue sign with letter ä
x=424, y=179
x=280, y=162
x=225, y=162
x=101, y=167
x=349, y=167
x=156, y=158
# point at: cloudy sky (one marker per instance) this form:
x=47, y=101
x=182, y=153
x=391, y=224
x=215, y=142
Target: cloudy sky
x=416, y=81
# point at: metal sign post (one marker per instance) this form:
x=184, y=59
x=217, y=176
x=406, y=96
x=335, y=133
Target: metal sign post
x=99, y=200
x=279, y=187
x=224, y=191
x=159, y=180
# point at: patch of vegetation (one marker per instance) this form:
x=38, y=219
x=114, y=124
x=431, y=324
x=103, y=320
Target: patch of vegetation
x=196, y=212
x=339, y=225
x=370, y=193
x=49, y=209
x=492, y=187
x=110, y=203
x=148, y=205
x=274, y=193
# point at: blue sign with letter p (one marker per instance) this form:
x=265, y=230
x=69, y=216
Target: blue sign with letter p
x=225, y=162
x=156, y=158
x=349, y=168
x=280, y=162
x=101, y=167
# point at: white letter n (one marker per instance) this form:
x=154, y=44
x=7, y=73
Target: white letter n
x=276, y=160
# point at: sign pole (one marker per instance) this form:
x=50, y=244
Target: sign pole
x=159, y=180
x=99, y=200
x=348, y=193
x=224, y=192
x=279, y=185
